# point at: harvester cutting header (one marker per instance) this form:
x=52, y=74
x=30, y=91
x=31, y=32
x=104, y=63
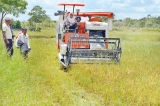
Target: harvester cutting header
x=83, y=38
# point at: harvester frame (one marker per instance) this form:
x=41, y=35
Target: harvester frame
x=89, y=43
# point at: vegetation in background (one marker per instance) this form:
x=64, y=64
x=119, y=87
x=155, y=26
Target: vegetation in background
x=145, y=22
x=45, y=33
x=16, y=24
x=38, y=15
x=14, y=7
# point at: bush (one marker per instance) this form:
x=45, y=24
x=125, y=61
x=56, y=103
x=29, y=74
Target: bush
x=38, y=29
x=33, y=28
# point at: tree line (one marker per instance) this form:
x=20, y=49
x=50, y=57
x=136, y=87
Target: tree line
x=145, y=22
x=39, y=18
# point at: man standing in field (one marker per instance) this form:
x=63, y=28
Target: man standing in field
x=23, y=42
x=8, y=36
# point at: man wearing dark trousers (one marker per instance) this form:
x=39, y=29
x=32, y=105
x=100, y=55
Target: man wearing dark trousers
x=7, y=36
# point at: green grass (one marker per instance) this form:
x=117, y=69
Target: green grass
x=38, y=81
x=45, y=32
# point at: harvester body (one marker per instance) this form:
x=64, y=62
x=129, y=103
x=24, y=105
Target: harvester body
x=89, y=42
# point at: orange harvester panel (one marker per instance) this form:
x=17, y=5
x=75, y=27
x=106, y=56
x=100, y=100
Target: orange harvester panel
x=92, y=14
x=71, y=4
x=106, y=44
x=81, y=27
x=79, y=43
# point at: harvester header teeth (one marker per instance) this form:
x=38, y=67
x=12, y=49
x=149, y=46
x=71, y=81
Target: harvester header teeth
x=93, y=50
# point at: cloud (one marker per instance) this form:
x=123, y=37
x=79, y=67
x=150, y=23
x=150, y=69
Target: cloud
x=140, y=9
x=121, y=8
x=48, y=2
x=156, y=2
x=142, y=1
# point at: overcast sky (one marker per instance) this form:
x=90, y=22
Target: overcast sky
x=121, y=8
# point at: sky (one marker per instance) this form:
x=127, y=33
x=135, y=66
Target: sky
x=121, y=8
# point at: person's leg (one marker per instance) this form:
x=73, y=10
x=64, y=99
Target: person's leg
x=25, y=54
x=76, y=27
x=73, y=27
x=10, y=48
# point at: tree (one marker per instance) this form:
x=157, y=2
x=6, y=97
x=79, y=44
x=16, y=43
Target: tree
x=158, y=18
x=148, y=16
x=104, y=19
x=14, y=7
x=118, y=23
x=37, y=14
x=13, y=24
x=18, y=24
x=47, y=22
x=142, y=23
x=127, y=21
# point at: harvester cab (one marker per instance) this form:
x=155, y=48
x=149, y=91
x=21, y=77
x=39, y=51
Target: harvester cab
x=87, y=40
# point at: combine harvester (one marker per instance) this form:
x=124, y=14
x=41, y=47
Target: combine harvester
x=89, y=42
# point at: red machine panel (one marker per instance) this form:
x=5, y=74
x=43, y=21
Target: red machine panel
x=78, y=43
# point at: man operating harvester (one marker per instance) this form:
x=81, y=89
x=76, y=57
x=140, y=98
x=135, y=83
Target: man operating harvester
x=8, y=36
x=23, y=42
x=71, y=23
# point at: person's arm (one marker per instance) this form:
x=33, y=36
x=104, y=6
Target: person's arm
x=12, y=33
x=67, y=21
x=4, y=35
x=28, y=43
x=19, y=38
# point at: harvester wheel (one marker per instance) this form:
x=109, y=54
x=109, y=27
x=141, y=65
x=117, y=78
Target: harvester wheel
x=118, y=58
x=62, y=67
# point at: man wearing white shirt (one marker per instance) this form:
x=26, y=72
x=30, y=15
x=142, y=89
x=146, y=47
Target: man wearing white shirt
x=7, y=36
x=23, y=42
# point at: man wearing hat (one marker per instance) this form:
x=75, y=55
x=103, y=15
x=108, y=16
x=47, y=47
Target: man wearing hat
x=23, y=42
x=8, y=36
